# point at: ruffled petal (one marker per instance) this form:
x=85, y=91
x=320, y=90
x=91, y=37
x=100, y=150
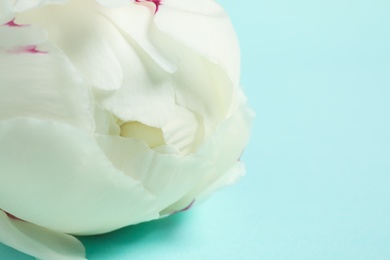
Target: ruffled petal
x=204, y=27
x=227, y=144
x=160, y=71
x=223, y=149
x=56, y=176
x=168, y=176
x=198, y=83
x=39, y=242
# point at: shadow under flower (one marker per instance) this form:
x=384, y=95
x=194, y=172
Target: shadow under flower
x=153, y=233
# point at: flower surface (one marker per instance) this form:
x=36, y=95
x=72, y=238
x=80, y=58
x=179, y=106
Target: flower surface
x=113, y=113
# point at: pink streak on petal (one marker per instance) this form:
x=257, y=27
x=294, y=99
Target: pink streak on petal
x=156, y=2
x=11, y=216
x=186, y=208
x=27, y=49
x=13, y=24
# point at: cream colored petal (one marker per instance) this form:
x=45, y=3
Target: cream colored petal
x=79, y=38
x=136, y=21
x=56, y=176
x=6, y=11
x=184, y=130
x=223, y=149
x=146, y=94
x=158, y=70
x=204, y=27
x=113, y=3
x=39, y=242
x=168, y=176
x=197, y=84
x=38, y=80
x=127, y=79
x=14, y=36
x=106, y=123
x=43, y=86
x=23, y=5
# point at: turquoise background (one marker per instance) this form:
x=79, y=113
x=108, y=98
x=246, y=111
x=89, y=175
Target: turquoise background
x=317, y=73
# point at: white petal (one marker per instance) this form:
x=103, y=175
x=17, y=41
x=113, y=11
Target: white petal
x=146, y=94
x=227, y=144
x=39, y=81
x=136, y=21
x=79, y=38
x=56, y=176
x=223, y=149
x=106, y=123
x=203, y=26
x=23, y=5
x=113, y=3
x=168, y=176
x=158, y=70
x=151, y=95
x=39, y=242
x=183, y=130
x=200, y=82
x=6, y=11
x=12, y=36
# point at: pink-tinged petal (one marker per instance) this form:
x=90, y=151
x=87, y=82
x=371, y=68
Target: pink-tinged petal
x=44, y=86
x=13, y=24
x=13, y=37
x=186, y=208
x=10, y=215
x=26, y=49
x=37, y=241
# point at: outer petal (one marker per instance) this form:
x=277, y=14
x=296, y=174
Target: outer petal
x=6, y=11
x=65, y=182
x=227, y=144
x=223, y=149
x=203, y=26
x=39, y=242
x=39, y=81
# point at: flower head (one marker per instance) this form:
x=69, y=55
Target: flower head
x=113, y=113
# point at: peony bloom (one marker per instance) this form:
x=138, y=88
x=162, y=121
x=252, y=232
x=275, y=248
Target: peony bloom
x=112, y=113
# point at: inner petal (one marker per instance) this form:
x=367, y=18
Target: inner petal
x=152, y=136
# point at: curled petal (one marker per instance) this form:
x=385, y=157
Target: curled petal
x=223, y=149
x=203, y=26
x=39, y=242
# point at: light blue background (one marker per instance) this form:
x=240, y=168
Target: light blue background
x=317, y=73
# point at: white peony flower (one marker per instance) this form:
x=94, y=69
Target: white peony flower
x=112, y=113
